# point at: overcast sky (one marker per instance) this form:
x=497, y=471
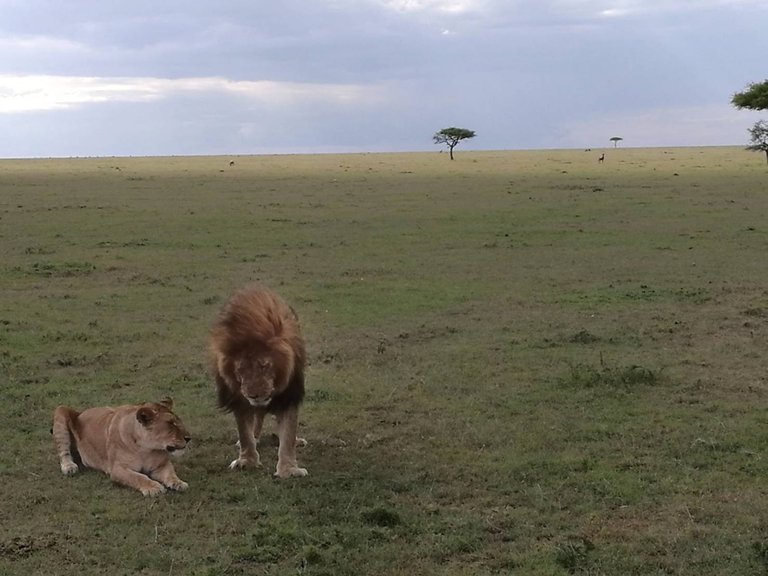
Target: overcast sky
x=148, y=77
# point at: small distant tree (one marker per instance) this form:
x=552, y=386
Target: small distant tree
x=452, y=136
x=759, y=134
x=755, y=97
x=616, y=141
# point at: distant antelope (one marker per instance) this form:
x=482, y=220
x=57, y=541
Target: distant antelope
x=602, y=157
x=231, y=162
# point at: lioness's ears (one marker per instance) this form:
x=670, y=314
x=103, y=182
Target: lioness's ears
x=167, y=402
x=145, y=415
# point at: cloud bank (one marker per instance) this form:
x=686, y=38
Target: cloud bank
x=38, y=93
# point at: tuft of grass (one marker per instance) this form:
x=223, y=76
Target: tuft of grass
x=381, y=516
x=573, y=554
x=61, y=269
x=611, y=377
x=760, y=549
x=583, y=337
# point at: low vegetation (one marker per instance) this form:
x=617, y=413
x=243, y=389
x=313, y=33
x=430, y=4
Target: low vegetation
x=520, y=362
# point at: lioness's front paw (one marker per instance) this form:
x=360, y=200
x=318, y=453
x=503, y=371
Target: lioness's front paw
x=68, y=468
x=301, y=442
x=179, y=485
x=294, y=472
x=153, y=490
x=241, y=463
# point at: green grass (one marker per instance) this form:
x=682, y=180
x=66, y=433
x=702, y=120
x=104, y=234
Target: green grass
x=520, y=362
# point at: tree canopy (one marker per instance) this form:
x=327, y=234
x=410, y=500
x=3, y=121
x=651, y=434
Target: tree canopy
x=759, y=134
x=452, y=136
x=616, y=140
x=755, y=97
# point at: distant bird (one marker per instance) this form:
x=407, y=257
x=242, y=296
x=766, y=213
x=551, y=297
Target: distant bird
x=602, y=157
x=231, y=162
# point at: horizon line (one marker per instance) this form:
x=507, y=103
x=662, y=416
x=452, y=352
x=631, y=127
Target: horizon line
x=459, y=153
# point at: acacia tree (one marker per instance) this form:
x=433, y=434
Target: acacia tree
x=759, y=133
x=616, y=141
x=755, y=97
x=452, y=136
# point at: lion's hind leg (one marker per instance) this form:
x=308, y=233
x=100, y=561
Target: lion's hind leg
x=63, y=423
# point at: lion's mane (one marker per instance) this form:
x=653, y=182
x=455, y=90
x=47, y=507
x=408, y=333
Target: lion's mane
x=256, y=321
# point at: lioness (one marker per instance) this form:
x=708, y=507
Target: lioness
x=257, y=358
x=132, y=444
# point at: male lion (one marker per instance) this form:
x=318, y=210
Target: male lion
x=257, y=361
x=133, y=444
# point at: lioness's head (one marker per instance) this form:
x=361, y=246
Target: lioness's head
x=256, y=376
x=160, y=428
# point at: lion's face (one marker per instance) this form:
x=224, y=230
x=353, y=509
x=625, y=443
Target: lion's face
x=161, y=429
x=256, y=376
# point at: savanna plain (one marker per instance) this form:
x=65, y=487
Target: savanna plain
x=519, y=362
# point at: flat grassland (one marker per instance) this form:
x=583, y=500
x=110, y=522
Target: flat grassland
x=521, y=362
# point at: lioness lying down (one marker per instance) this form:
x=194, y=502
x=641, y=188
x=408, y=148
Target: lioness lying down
x=132, y=444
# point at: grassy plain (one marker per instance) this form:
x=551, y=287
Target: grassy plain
x=521, y=362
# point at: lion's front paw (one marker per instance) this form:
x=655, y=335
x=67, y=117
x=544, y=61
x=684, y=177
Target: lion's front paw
x=242, y=463
x=293, y=472
x=154, y=489
x=68, y=468
x=301, y=442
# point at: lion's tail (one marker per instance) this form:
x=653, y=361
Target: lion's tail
x=63, y=422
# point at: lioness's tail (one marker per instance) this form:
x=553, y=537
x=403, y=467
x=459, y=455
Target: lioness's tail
x=63, y=421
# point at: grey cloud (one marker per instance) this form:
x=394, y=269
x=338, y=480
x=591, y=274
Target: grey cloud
x=519, y=72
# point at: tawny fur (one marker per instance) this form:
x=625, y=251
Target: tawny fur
x=132, y=444
x=257, y=359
